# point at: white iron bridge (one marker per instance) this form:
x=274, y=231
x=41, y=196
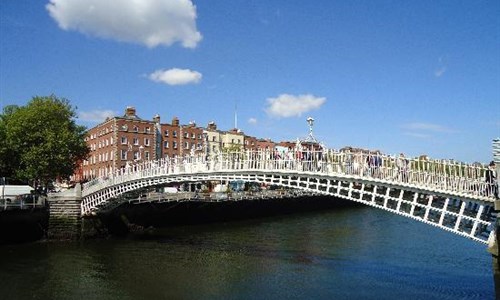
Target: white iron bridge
x=450, y=195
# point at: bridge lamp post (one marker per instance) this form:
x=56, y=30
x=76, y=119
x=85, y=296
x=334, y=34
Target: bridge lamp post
x=310, y=121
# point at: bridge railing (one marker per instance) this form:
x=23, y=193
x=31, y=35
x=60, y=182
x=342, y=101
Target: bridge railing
x=433, y=174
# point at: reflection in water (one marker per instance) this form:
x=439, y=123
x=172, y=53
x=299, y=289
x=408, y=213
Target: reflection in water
x=355, y=253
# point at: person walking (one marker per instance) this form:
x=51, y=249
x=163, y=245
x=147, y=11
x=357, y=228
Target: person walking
x=491, y=180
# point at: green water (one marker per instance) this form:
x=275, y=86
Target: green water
x=348, y=253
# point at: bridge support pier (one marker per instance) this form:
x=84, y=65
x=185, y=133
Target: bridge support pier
x=65, y=220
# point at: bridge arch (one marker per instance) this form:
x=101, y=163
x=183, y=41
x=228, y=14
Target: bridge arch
x=451, y=203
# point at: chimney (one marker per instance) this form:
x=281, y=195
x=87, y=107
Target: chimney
x=130, y=111
x=212, y=126
x=175, y=121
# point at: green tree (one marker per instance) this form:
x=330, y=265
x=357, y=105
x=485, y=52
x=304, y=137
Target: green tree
x=44, y=140
x=8, y=159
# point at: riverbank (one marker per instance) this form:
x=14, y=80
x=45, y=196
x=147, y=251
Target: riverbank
x=18, y=226
x=23, y=225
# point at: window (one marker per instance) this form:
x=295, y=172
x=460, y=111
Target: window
x=193, y=136
x=186, y=145
x=146, y=142
x=174, y=133
x=166, y=132
x=146, y=155
x=124, y=140
x=136, y=141
x=123, y=154
x=199, y=146
x=136, y=129
x=174, y=144
x=165, y=144
x=232, y=141
x=125, y=127
x=136, y=155
x=214, y=139
x=186, y=135
x=147, y=130
x=199, y=136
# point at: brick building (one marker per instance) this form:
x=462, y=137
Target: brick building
x=179, y=139
x=116, y=141
x=130, y=139
x=254, y=143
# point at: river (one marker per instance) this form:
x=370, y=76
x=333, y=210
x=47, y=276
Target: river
x=345, y=253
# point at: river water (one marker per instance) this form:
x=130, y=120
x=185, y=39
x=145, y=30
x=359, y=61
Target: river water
x=346, y=253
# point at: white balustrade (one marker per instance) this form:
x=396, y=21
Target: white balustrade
x=428, y=175
x=431, y=174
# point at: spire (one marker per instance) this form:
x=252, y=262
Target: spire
x=235, y=115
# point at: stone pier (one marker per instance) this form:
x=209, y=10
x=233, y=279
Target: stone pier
x=65, y=220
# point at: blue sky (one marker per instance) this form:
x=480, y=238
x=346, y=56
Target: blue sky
x=419, y=77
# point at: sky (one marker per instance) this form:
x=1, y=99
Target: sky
x=418, y=77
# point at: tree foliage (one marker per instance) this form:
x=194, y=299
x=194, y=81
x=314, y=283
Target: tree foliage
x=41, y=141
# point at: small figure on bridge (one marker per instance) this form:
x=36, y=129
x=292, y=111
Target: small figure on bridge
x=402, y=165
x=491, y=179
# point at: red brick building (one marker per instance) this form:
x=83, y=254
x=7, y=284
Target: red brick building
x=117, y=141
x=179, y=139
x=129, y=138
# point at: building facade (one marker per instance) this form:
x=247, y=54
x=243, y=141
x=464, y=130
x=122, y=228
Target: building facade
x=117, y=141
x=121, y=141
x=128, y=139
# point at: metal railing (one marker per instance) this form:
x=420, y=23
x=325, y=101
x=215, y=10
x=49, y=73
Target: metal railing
x=443, y=175
x=27, y=201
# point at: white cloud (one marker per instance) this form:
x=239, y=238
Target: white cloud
x=286, y=105
x=418, y=135
x=427, y=127
x=175, y=76
x=439, y=72
x=96, y=115
x=252, y=121
x=152, y=23
x=441, y=69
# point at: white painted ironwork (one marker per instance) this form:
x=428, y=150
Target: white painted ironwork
x=450, y=195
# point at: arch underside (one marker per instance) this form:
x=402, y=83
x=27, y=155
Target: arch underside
x=461, y=215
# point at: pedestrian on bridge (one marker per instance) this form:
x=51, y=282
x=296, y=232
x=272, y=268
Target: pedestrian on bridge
x=491, y=180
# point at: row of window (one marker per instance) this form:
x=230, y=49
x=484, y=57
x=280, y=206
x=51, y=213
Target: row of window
x=101, y=144
x=102, y=157
x=136, y=155
x=135, y=141
x=166, y=133
x=100, y=133
x=135, y=128
x=166, y=145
